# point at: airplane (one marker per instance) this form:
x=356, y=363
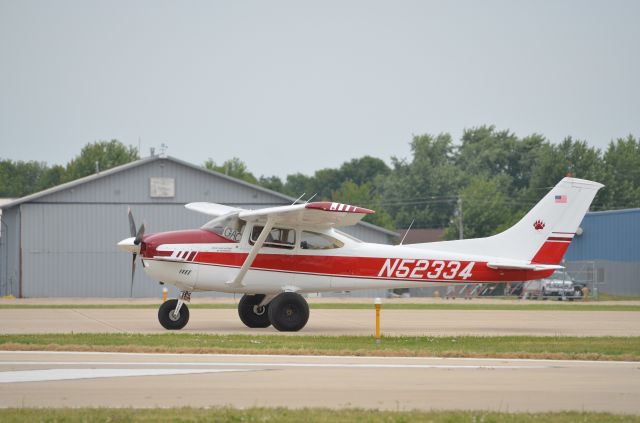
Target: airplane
x=275, y=255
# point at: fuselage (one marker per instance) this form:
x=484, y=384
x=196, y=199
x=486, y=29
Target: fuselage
x=308, y=260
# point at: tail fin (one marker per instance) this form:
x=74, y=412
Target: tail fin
x=543, y=235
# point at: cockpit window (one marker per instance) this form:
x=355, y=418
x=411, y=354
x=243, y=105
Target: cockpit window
x=277, y=238
x=229, y=227
x=316, y=241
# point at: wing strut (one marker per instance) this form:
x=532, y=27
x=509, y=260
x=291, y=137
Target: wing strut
x=237, y=281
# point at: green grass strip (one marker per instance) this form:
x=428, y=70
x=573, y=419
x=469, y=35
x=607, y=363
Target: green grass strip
x=582, y=348
x=526, y=306
x=283, y=415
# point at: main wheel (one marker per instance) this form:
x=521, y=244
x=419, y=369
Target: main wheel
x=252, y=315
x=168, y=319
x=288, y=312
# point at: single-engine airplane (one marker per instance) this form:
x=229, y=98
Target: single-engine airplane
x=273, y=255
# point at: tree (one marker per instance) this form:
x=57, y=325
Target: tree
x=485, y=209
x=106, y=154
x=273, y=183
x=234, y=167
x=553, y=162
x=486, y=151
x=424, y=189
x=362, y=196
x=622, y=174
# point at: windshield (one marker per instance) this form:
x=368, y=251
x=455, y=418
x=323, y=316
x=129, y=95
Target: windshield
x=227, y=226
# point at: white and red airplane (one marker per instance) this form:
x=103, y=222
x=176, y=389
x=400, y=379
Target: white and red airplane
x=274, y=255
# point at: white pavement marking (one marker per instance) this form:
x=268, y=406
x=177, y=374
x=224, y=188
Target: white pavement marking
x=266, y=364
x=70, y=374
x=279, y=356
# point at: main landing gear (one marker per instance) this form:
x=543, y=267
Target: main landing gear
x=287, y=312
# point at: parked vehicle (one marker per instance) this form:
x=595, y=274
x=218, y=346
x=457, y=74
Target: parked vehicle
x=558, y=285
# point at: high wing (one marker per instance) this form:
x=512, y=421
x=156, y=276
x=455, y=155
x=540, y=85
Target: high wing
x=211, y=209
x=317, y=214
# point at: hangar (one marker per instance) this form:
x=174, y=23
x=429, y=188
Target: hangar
x=606, y=252
x=61, y=242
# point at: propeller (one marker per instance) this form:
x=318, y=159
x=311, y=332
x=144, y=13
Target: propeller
x=137, y=240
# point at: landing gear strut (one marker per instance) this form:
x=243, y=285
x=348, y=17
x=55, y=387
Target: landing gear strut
x=174, y=314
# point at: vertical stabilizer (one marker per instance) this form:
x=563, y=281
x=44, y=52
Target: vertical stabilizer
x=543, y=235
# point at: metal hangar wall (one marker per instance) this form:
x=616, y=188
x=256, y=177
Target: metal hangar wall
x=606, y=253
x=61, y=242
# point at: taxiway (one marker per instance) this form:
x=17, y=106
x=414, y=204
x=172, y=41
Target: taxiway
x=62, y=379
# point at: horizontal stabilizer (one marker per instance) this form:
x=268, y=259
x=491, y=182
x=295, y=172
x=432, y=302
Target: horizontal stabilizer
x=522, y=266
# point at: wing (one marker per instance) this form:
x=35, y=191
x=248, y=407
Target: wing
x=318, y=214
x=211, y=209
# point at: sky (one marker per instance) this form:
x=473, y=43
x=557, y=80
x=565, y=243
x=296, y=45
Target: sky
x=297, y=86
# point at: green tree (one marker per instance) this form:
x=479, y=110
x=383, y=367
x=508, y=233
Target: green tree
x=424, y=189
x=622, y=174
x=361, y=195
x=553, y=162
x=485, y=209
x=234, y=167
x=273, y=183
x=106, y=154
x=486, y=151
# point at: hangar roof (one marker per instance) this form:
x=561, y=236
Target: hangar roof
x=146, y=160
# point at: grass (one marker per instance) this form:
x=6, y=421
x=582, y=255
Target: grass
x=526, y=306
x=572, y=348
x=283, y=415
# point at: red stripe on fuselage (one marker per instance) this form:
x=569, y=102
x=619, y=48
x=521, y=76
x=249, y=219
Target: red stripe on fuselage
x=366, y=267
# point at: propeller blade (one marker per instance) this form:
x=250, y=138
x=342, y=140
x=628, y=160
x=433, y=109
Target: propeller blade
x=133, y=271
x=132, y=224
x=139, y=235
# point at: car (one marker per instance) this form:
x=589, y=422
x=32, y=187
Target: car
x=559, y=285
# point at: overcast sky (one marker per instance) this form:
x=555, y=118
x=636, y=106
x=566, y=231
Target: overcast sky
x=294, y=86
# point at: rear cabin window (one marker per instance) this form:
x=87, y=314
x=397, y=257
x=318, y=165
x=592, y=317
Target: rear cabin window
x=316, y=241
x=229, y=227
x=277, y=238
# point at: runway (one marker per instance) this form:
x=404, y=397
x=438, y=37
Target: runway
x=61, y=379
x=335, y=322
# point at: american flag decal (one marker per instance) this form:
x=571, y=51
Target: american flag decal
x=561, y=199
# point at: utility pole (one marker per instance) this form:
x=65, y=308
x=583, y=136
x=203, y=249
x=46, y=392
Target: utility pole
x=460, y=219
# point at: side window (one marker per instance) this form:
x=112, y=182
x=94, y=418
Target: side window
x=316, y=241
x=229, y=227
x=277, y=238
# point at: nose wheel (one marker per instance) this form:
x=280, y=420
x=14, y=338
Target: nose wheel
x=174, y=314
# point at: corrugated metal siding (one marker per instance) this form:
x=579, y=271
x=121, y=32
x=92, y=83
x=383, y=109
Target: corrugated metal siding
x=613, y=235
x=610, y=242
x=69, y=237
x=10, y=253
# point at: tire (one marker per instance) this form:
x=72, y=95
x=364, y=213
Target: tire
x=288, y=312
x=165, y=315
x=250, y=314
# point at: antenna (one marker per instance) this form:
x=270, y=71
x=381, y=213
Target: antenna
x=311, y=198
x=298, y=199
x=407, y=232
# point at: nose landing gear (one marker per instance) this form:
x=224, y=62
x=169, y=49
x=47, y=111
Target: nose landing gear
x=174, y=314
